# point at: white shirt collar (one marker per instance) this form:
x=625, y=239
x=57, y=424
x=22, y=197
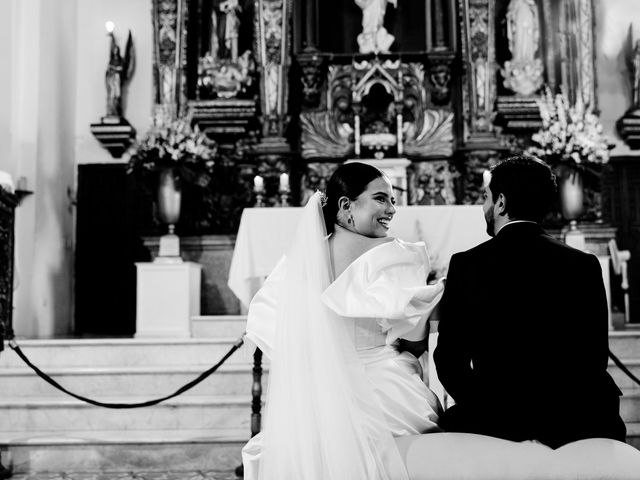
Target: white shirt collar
x=515, y=221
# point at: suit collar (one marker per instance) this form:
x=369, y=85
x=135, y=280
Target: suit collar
x=520, y=227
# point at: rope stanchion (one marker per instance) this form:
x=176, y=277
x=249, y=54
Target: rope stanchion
x=16, y=348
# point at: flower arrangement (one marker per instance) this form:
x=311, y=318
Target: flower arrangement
x=570, y=135
x=173, y=143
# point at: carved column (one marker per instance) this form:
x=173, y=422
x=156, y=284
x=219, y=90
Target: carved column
x=273, y=45
x=169, y=55
x=478, y=56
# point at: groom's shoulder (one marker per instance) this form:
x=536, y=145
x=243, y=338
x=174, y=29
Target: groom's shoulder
x=481, y=248
x=475, y=252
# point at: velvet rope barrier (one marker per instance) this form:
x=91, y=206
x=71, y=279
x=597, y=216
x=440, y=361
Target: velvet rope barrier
x=16, y=348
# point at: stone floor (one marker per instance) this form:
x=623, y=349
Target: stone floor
x=188, y=475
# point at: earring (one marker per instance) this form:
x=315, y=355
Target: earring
x=350, y=219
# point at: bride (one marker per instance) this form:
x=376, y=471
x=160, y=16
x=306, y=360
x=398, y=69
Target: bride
x=331, y=317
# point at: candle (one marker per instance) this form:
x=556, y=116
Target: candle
x=258, y=183
x=486, y=178
x=110, y=26
x=284, y=182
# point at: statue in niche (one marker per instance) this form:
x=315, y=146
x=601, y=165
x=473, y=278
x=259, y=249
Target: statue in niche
x=374, y=37
x=523, y=74
x=119, y=72
x=222, y=72
x=523, y=30
x=229, y=31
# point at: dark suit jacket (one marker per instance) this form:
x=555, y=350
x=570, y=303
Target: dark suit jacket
x=523, y=341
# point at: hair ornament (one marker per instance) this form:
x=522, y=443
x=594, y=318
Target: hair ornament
x=323, y=198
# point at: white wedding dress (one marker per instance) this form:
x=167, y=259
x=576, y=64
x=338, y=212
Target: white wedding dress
x=339, y=391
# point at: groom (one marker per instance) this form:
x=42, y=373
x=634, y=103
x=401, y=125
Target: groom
x=523, y=333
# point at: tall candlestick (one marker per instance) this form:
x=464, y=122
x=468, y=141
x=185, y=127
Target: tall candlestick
x=356, y=134
x=399, y=134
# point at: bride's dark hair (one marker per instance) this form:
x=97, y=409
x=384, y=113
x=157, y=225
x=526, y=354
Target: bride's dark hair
x=349, y=180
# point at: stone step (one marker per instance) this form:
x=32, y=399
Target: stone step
x=46, y=354
x=218, y=326
x=625, y=343
x=633, y=434
x=153, y=381
x=621, y=378
x=630, y=406
x=124, y=451
x=68, y=414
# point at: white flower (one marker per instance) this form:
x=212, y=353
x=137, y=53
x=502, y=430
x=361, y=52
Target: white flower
x=569, y=132
x=174, y=142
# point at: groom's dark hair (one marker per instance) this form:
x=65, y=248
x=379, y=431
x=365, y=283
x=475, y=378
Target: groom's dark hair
x=527, y=183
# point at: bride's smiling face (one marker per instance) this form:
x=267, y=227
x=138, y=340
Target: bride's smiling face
x=374, y=208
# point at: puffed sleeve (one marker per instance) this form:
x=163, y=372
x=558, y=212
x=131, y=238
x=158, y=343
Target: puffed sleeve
x=262, y=314
x=388, y=285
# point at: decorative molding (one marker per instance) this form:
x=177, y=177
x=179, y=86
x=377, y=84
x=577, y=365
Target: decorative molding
x=431, y=135
x=315, y=177
x=628, y=128
x=432, y=183
x=477, y=162
x=393, y=120
x=518, y=114
x=115, y=137
x=324, y=137
x=311, y=77
x=440, y=77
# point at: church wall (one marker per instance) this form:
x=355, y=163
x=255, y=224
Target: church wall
x=54, y=54
x=93, y=58
x=613, y=18
x=41, y=110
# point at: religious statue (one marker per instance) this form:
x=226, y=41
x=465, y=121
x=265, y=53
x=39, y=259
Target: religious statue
x=118, y=74
x=225, y=31
x=222, y=71
x=523, y=30
x=523, y=73
x=374, y=37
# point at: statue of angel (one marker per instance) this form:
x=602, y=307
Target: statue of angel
x=632, y=54
x=119, y=72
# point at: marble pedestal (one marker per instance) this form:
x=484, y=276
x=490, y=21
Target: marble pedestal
x=168, y=295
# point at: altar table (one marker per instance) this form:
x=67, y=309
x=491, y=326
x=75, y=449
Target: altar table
x=264, y=235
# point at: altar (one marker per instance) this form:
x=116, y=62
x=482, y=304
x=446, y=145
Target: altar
x=264, y=235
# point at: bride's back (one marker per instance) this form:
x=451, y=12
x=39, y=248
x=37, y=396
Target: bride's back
x=345, y=247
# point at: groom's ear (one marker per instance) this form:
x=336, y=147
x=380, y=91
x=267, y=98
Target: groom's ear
x=501, y=204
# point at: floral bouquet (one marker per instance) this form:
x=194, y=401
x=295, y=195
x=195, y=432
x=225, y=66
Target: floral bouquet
x=174, y=144
x=570, y=136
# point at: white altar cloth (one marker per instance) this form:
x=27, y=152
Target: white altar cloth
x=265, y=233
